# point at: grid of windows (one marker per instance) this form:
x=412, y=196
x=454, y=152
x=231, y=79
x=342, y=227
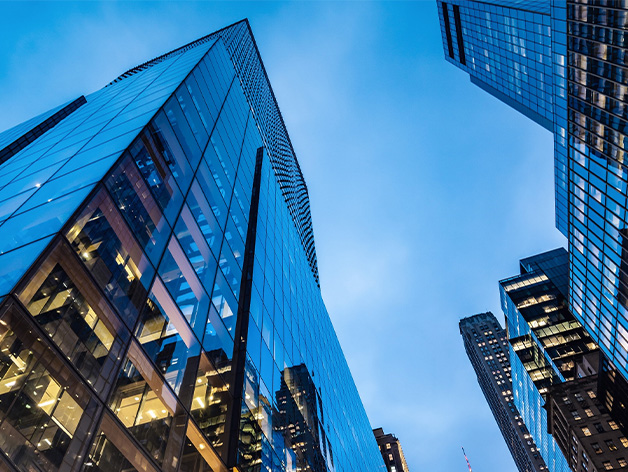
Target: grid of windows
x=160, y=329
x=597, y=174
x=486, y=345
x=240, y=44
x=544, y=341
x=590, y=122
x=507, y=50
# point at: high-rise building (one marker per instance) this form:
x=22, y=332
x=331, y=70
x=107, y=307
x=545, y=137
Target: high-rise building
x=486, y=344
x=160, y=307
x=586, y=106
x=546, y=342
x=505, y=47
x=391, y=450
x=584, y=428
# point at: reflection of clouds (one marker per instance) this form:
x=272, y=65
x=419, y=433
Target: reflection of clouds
x=370, y=104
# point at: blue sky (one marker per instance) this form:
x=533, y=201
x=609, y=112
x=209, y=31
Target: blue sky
x=425, y=190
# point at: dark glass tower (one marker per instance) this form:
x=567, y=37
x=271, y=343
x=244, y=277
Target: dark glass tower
x=588, y=110
x=160, y=302
x=486, y=344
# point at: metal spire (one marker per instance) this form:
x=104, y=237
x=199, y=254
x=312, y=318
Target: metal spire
x=466, y=459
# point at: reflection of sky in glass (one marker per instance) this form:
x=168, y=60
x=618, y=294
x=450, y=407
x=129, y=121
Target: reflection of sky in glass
x=414, y=225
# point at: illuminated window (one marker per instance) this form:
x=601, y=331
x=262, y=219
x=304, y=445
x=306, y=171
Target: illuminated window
x=610, y=444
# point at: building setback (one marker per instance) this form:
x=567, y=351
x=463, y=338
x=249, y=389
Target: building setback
x=391, y=451
x=160, y=307
x=546, y=343
x=486, y=345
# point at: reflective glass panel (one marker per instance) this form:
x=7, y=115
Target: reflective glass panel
x=147, y=408
x=41, y=402
x=139, y=208
x=104, y=243
x=75, y=316
x=168, y=339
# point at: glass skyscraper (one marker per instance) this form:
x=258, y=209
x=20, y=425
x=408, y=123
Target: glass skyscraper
x=545, y=341
x=588, y=77
x=160, y=302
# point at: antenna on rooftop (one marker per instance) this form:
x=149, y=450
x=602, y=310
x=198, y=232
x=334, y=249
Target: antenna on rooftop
x=466, y=459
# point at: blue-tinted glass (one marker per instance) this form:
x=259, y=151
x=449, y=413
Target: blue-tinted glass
x=104, y=243
x=138, y=207
x=205, y=217
x=14, y=264
x=184, y=286
x=167, y=339
x=196, y=248
x=152, y=160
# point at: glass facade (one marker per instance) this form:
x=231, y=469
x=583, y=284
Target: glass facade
x=161, y=305
x=516, y=50
x=597, y=173
x=545, y=342
x=506, y=48
x=588, y=77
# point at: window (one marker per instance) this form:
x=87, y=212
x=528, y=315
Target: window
x=387, y=445
x=576, y=415
x=622, y=462
x=610, y=444
x=390, y=457
x=607, y=465
x=75, y=316
x=586, y=431
x=146, y=407
x=588, y=412
x=43, y=421
x=624, y=441
x=139, y=208
x=599, y=427
x=596, y=447
x=167, y=337
x=102, y=240
x=112, y=451
x=613, y=425
x=211, y=398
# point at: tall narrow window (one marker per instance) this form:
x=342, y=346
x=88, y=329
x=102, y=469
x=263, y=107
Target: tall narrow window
x=463, y=59
x=450, y=46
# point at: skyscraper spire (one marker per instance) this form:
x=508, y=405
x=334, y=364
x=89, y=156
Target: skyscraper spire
x=467, y=459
